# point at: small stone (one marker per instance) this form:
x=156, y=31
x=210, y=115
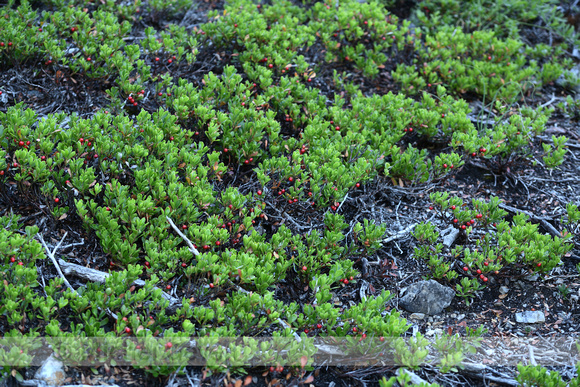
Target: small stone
x=428, y=297
x=530, y=317
x=417, y=316
x=532, y=278
x=453, y=315
x=460, y=317
x=51, y=372
x=503, y=289
x=574, y=297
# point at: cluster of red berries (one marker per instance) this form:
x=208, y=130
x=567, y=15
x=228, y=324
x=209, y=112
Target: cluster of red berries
x=408, y=130
x=448, y=166
x=248, y=161
x=478, y=271
x=83, y=141
x=334, y=207
x=346, y=281
x=277, y=369
x=132, y=100
x=23, y=144
x=288, y=118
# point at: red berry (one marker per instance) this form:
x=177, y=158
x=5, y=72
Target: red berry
x=430, y=207
x=56, y=200
x=453, y=207
x=270, y=65
x=486, y=264
x=235, y=25
x=168, y=345
x=160, y=94
x=168, y=287
x=211, y=285
x=206, y=247
x=473, y=154
x=354, y=329
x=259, y=193
x=43, y=158
x=463, y=227
x=484, y=279
x=539, y=264
x=306, y=330
x=455, y=220
x=381, y=338
x=478, y=271
x=481, y=276
x=472, y=221
x=318, y=326
x=147, y=264
x=444, y=165
x=20, y=143
x=357, y=185
x=304, y=268
x=127, y=330
x=156, y=59
x=89, y=59
x=465, y=268
x=12, y=259
x=217, y=243
x=1, y=173
x=169, y=61
x=364, y=335
x=345, y=282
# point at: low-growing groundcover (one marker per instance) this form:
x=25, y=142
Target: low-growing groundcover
x=228, y=193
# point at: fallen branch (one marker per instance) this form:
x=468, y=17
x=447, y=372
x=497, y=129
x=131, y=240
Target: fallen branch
x=400, y=234
x=480, y=371
x=53, y=259
x=182, y=235
x=403, y=233
x=94, y=275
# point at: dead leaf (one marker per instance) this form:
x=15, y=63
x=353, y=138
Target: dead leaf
x=238, y=383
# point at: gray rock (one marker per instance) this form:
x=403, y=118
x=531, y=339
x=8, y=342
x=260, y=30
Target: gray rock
x=51, y=372
x=417, y=316
x=428, y=297
x=530, y=317
x=503, y=289
x=532, y=278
